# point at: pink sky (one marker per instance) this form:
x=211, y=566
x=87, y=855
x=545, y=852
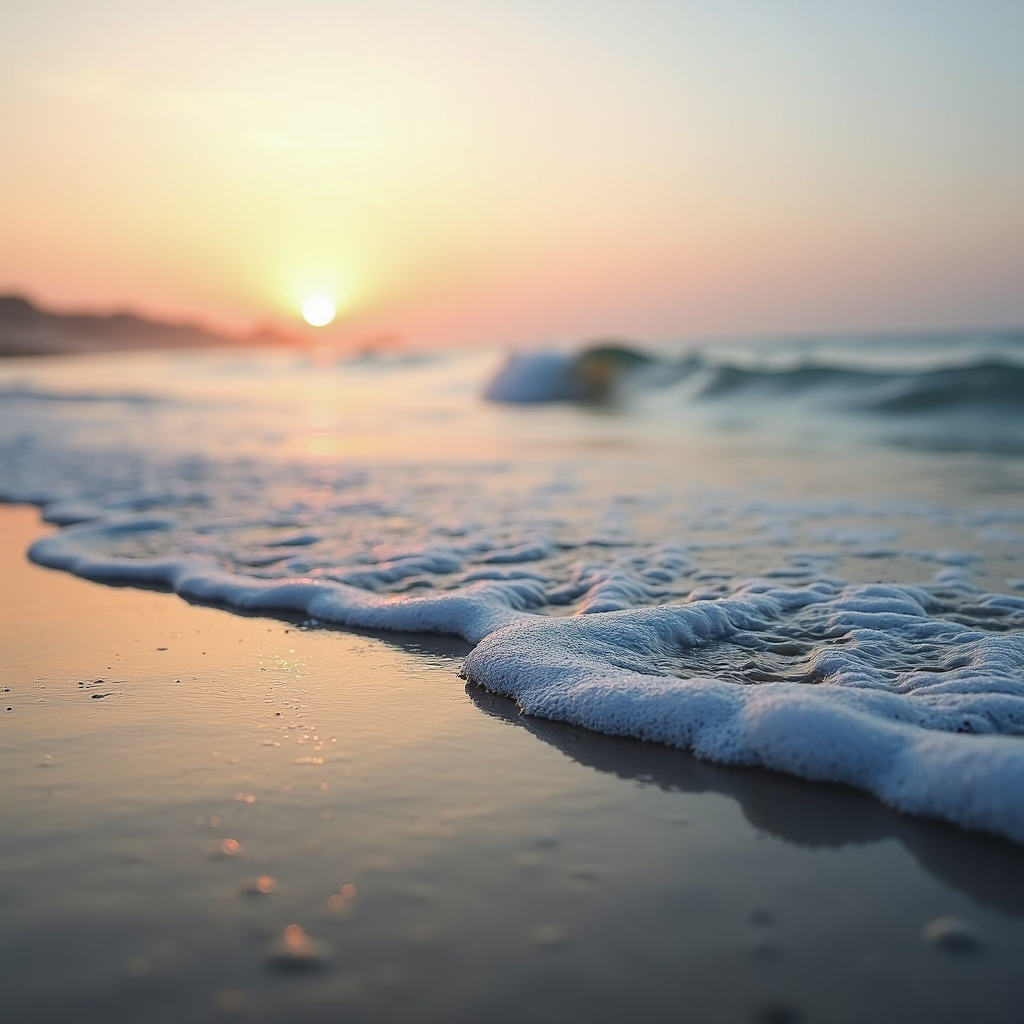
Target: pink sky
x=518, y=173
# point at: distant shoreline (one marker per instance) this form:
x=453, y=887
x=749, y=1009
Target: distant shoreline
x=27, y=330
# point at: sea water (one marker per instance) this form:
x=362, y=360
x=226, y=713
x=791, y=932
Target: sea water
x=806, y=555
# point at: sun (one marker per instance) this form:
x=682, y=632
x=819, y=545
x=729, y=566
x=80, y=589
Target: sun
x=318, y=310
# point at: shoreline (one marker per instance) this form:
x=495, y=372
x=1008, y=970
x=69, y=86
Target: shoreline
x=504, y=866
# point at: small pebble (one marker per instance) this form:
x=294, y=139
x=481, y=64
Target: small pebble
x=228, y=848
x=262, y=885
x=139, y=967
x=297, y=952
x=548, y=935
x=763, y=948
x=230, y=1000
x=953, y=934
x=777, y=1013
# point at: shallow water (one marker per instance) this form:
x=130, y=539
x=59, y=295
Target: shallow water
x=808, y=556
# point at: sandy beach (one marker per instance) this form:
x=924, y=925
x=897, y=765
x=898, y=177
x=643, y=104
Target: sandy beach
x=511, y=513
x=442, y=857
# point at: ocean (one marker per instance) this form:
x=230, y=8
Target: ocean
x=800, y=554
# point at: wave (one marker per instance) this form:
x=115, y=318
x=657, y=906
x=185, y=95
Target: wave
x=886, y=691
x=913, y=693
x=23, y=393
x=599, y=373
x=990, y=386
x=941, y=740
x=631, y=597
x=594, y=374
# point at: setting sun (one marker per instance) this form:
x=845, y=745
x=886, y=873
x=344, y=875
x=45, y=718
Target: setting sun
x=318, y=310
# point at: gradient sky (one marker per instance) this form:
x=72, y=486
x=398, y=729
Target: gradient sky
x=519, y=171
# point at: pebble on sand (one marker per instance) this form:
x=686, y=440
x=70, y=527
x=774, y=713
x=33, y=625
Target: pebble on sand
x=953, y=934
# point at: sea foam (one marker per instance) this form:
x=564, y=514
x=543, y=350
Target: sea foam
x=885, y=692
x=941, y=739
x=715, y=622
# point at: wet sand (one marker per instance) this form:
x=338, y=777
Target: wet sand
x=444, y=858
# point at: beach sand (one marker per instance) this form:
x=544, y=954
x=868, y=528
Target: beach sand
x=443, y=858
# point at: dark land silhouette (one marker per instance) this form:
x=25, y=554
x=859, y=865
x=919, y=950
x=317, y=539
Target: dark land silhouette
x=27, y=330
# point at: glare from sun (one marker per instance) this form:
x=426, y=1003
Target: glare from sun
x=318, y=310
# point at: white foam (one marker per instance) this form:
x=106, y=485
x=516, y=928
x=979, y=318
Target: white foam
x=895, y=737
x=922, y=711
x=717, y=622
x=472, y=612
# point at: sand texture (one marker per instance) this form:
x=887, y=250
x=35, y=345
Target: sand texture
x=428, y=853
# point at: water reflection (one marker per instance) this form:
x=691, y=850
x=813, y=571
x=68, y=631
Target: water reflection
x=817, y=815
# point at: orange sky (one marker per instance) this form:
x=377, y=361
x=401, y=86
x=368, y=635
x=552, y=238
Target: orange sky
x=526, y=172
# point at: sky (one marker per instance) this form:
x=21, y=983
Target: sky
x=458, y=172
